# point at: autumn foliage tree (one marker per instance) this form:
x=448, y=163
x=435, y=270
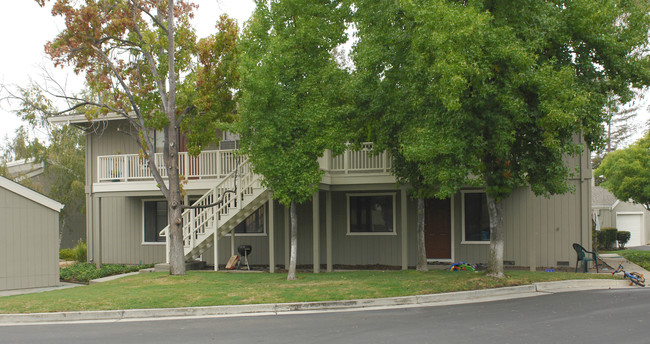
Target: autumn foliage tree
x=141, y=59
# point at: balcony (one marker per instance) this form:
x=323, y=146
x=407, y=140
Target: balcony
x=358, y=166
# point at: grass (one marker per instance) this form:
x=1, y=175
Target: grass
x=638, y=257
x=206, y=288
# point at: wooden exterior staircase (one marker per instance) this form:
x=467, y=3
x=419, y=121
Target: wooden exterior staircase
x=223, y=207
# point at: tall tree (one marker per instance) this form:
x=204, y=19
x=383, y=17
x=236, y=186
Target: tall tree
x=626, y=172
x=494, y=93
x=141, y=60
x=292, y=96
x=62, y=156
x=619, y=127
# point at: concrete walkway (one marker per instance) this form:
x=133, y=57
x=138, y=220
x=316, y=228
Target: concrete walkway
x=613, y=260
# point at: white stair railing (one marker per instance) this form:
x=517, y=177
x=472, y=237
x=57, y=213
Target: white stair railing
x=217, y=206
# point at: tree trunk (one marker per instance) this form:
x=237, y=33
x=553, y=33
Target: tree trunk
x=495, y=261
x=422, y=254
x=294, y=243
x=176, y=254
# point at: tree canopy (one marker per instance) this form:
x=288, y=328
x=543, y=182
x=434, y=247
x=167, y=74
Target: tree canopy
x=492, y=93
x=292, y=89
x=293, y=96
x=626, y=172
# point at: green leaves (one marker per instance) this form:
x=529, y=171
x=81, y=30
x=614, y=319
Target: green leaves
x=493, y=90
x=627, y=172
x=293, y=92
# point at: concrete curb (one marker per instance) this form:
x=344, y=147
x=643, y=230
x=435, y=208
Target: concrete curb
x=280, y=308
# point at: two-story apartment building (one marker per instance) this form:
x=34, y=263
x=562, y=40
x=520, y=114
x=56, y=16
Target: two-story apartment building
x=360, y=215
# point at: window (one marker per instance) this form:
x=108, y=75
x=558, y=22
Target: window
x=476, y=219
x=371, y=214
x=155, y=219
x=254, y=224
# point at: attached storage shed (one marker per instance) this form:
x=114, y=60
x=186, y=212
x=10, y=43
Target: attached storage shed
x=29, y=238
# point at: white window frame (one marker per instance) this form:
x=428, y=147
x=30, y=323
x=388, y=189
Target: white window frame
x=462, y=218
x=392, y=194
x=266, y=225
x=150, y=243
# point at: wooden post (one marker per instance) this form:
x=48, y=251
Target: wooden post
x=403, y=228
x=216, y=249
x=316, y=231
x=271, y=228
x=232, y=242
x=287, y=238
x=328, y=229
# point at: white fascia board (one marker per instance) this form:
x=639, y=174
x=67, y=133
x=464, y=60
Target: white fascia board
x=80, y=118
x=30, y=194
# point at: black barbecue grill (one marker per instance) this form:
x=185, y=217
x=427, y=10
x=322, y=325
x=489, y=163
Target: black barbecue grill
x=245, y=251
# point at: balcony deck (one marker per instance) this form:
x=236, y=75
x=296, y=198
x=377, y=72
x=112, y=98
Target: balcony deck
x=131, y=171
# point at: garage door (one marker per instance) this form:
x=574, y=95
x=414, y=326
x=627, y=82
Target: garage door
x=633, y=224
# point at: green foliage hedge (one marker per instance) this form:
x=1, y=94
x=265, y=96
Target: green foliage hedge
x=607, y=237
x=622, y=237
x=66, y=254
x=84, y=272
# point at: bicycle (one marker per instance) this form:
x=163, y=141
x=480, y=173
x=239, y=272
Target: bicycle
x=635, y=277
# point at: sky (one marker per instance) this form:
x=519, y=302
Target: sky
x=26, y=28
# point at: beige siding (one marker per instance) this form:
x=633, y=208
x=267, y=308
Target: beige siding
x=29, y=243
x=547, y=226
x=108, y=141
x=118, y=227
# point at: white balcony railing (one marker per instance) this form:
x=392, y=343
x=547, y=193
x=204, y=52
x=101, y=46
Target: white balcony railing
x=134, y=167
x=217, y=164
x=362, y=160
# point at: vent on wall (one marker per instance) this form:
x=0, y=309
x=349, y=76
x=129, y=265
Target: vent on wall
x=562, y=263
x=508, y=262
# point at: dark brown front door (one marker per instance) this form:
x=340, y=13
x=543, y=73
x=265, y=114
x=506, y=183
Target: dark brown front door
x=437, y=228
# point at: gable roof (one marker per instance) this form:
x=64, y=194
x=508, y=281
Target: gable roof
x=30, y=194
x=601, y=197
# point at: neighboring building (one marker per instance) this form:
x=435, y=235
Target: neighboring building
x=359, y=216
x=32, y=174
x=624, y=216
x=29, y=238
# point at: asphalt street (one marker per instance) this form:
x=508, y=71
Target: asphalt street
x=596, y=316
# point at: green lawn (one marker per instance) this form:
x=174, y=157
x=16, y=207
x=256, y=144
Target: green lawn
x=638, y=257
x=206, y=288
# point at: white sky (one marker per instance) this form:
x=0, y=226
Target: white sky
x=26, y=28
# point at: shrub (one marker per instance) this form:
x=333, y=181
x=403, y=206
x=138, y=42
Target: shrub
x=84, y=272
x=66, y=254
x=623, y=237
x=80, y=251
x=607, y=237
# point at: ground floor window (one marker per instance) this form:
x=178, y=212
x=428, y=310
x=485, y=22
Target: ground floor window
x=476, y=219
x=254, y=224
x=371, y=214
x=155, y=220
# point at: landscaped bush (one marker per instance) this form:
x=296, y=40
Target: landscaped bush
x=607, y=237
x=622, y=237
x=80, y=251
x=66, y=254
x=84, y=272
